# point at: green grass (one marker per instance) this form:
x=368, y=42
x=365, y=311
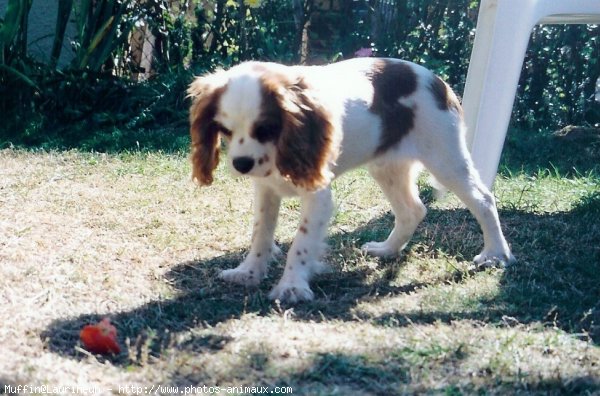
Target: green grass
x=127, y=235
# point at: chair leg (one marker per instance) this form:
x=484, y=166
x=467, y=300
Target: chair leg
x=477, y=66
x=503, y=30
x=488, y=102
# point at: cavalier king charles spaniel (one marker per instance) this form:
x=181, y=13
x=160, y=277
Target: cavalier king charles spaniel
x=294, y=129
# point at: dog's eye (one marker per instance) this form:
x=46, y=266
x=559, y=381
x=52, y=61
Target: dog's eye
x=220, y=128
x=226, y=132
x=266, y=132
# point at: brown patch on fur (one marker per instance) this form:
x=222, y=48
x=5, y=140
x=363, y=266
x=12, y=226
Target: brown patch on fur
x=205, y=136
x=303, y=230
x=444, y=96
x=303, y=133
x=265, y=158
x=392, y=81
x=267, y=127
x=241, y=140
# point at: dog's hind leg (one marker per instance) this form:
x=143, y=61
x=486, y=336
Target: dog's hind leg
x=397, y=181
x=450, y=163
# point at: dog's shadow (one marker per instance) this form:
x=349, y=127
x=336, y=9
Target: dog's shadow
x=204, y=300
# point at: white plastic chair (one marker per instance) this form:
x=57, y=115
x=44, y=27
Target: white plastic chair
x=502, y=35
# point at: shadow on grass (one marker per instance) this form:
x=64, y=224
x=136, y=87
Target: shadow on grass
x=556, y=282
x=205, y=300
x=356, y=375
x=354, y=372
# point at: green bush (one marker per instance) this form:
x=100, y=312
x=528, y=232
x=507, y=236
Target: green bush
x=95, y=103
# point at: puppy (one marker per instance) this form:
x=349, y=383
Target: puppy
x=293, y=129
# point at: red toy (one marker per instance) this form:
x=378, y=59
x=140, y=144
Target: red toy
x=100, y=338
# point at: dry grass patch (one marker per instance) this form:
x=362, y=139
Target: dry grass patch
x=87, y=235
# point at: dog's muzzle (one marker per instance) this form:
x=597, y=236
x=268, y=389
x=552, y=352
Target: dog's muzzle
x=243, y=164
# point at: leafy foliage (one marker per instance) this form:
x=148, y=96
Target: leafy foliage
x=101, y=27
x=96, y=91
x=559, y=77
x=100, y=111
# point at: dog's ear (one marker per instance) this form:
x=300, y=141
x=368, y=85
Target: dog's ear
x=206, y=142
x=305, y=145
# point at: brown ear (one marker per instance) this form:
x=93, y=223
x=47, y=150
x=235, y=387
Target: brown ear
x=204, y=131
x=305, y=147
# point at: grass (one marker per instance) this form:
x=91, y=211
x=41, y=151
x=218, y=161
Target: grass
x=127, y=235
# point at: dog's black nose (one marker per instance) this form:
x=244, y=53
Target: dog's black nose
x=243, y=164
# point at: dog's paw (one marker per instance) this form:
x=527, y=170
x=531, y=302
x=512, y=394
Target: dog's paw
x=243, y=276
x=379, y=249
x=292, y=293
x=493, y=260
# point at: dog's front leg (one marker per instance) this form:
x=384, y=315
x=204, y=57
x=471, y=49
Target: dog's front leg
x=254, y=267
x=307, y=248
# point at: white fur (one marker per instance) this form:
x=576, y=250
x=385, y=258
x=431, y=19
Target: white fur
x=436, y=142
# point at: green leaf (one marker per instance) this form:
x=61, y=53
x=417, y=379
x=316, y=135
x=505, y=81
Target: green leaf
x=62, y=18
x=98, y=37
x=113, y=40
x=20, y=75
x=12, y=20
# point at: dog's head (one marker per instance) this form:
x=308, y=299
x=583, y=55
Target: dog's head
x=271, y=121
